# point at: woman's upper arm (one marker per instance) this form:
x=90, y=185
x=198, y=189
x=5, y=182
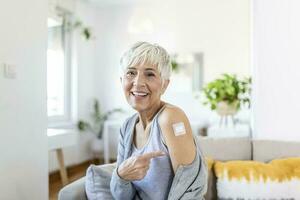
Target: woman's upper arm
x=120, y=188
x=121, y=144
x=179, y=140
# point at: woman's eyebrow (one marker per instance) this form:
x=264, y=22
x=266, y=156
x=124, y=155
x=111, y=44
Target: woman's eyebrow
x=150, y=69
x=146, y=69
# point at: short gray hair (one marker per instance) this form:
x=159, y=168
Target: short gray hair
x=144, y=52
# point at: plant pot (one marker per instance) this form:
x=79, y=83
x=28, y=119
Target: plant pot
x=225, y=109
x=97, y=145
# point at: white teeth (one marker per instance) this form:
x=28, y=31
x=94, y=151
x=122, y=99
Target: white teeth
x=139, y=93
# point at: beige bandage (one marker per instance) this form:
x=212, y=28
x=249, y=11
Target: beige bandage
x=179, y=129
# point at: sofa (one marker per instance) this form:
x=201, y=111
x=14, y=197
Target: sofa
x=223, y=150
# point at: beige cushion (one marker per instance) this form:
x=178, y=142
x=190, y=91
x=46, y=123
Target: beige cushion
x=224, y=149
x=267, y=150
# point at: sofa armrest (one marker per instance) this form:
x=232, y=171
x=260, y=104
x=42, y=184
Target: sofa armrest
x=73, y=191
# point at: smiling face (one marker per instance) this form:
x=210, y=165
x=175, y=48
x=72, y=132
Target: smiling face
x=143, y=86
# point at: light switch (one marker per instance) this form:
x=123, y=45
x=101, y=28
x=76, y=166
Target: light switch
x=10, y=70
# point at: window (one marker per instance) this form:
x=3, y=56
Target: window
x=58, y=70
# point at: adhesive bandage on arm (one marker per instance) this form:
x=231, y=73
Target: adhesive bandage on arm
x=179, y=129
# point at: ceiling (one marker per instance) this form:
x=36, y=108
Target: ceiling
x=113, y=2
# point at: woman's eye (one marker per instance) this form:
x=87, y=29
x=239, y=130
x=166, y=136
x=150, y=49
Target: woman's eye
x=150, y=74
x=130, y=73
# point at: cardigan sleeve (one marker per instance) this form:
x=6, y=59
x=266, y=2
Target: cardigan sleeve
x=195, y=186
x=121, y=189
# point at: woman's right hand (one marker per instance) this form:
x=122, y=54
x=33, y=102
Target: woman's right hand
x=136, y=167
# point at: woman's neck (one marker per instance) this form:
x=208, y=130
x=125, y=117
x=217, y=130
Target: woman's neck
x=145, y=117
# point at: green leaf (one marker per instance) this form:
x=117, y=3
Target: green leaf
x=227, y=88
x=98, y=119
x=87, y=33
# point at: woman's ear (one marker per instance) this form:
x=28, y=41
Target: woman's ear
x=165, y=85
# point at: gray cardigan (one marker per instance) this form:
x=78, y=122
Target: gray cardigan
x=190, y=181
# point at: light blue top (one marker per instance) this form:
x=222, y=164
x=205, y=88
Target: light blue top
x=189, y=181
x=157, y=182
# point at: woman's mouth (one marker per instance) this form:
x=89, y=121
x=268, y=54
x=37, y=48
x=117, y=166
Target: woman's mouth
x=139, y=94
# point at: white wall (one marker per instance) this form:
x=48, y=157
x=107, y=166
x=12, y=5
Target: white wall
x=276, y=31
x=23, y=139
x=220, y=29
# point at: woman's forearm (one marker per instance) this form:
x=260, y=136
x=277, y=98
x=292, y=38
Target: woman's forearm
x=121, y=189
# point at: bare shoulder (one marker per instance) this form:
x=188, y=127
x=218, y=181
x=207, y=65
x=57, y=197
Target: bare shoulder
x=179, y=141
x=172, y=114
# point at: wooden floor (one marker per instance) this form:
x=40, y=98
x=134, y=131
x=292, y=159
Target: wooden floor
x=74, y=173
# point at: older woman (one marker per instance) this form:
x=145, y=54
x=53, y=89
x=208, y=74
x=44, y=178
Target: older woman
x=158, y=157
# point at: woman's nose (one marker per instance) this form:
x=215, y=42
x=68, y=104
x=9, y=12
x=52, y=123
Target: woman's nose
x=139, y=80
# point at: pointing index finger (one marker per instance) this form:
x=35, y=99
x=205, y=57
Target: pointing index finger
x=153, y=154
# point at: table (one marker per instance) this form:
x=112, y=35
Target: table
x=111, y=132
x=57, y=140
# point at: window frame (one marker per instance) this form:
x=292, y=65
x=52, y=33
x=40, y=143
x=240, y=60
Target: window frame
x=66, y=119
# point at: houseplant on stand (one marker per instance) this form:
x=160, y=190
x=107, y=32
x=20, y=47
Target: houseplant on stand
x=96, y=125
x=226, y=95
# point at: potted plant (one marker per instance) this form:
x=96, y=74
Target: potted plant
x=84, y=30
x=97, y=124
x=227, y=94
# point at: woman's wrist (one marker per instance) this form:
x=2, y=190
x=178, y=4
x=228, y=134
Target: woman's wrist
x=118, y=173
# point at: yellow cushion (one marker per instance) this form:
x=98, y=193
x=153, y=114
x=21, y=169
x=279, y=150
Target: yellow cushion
x=279, y=169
